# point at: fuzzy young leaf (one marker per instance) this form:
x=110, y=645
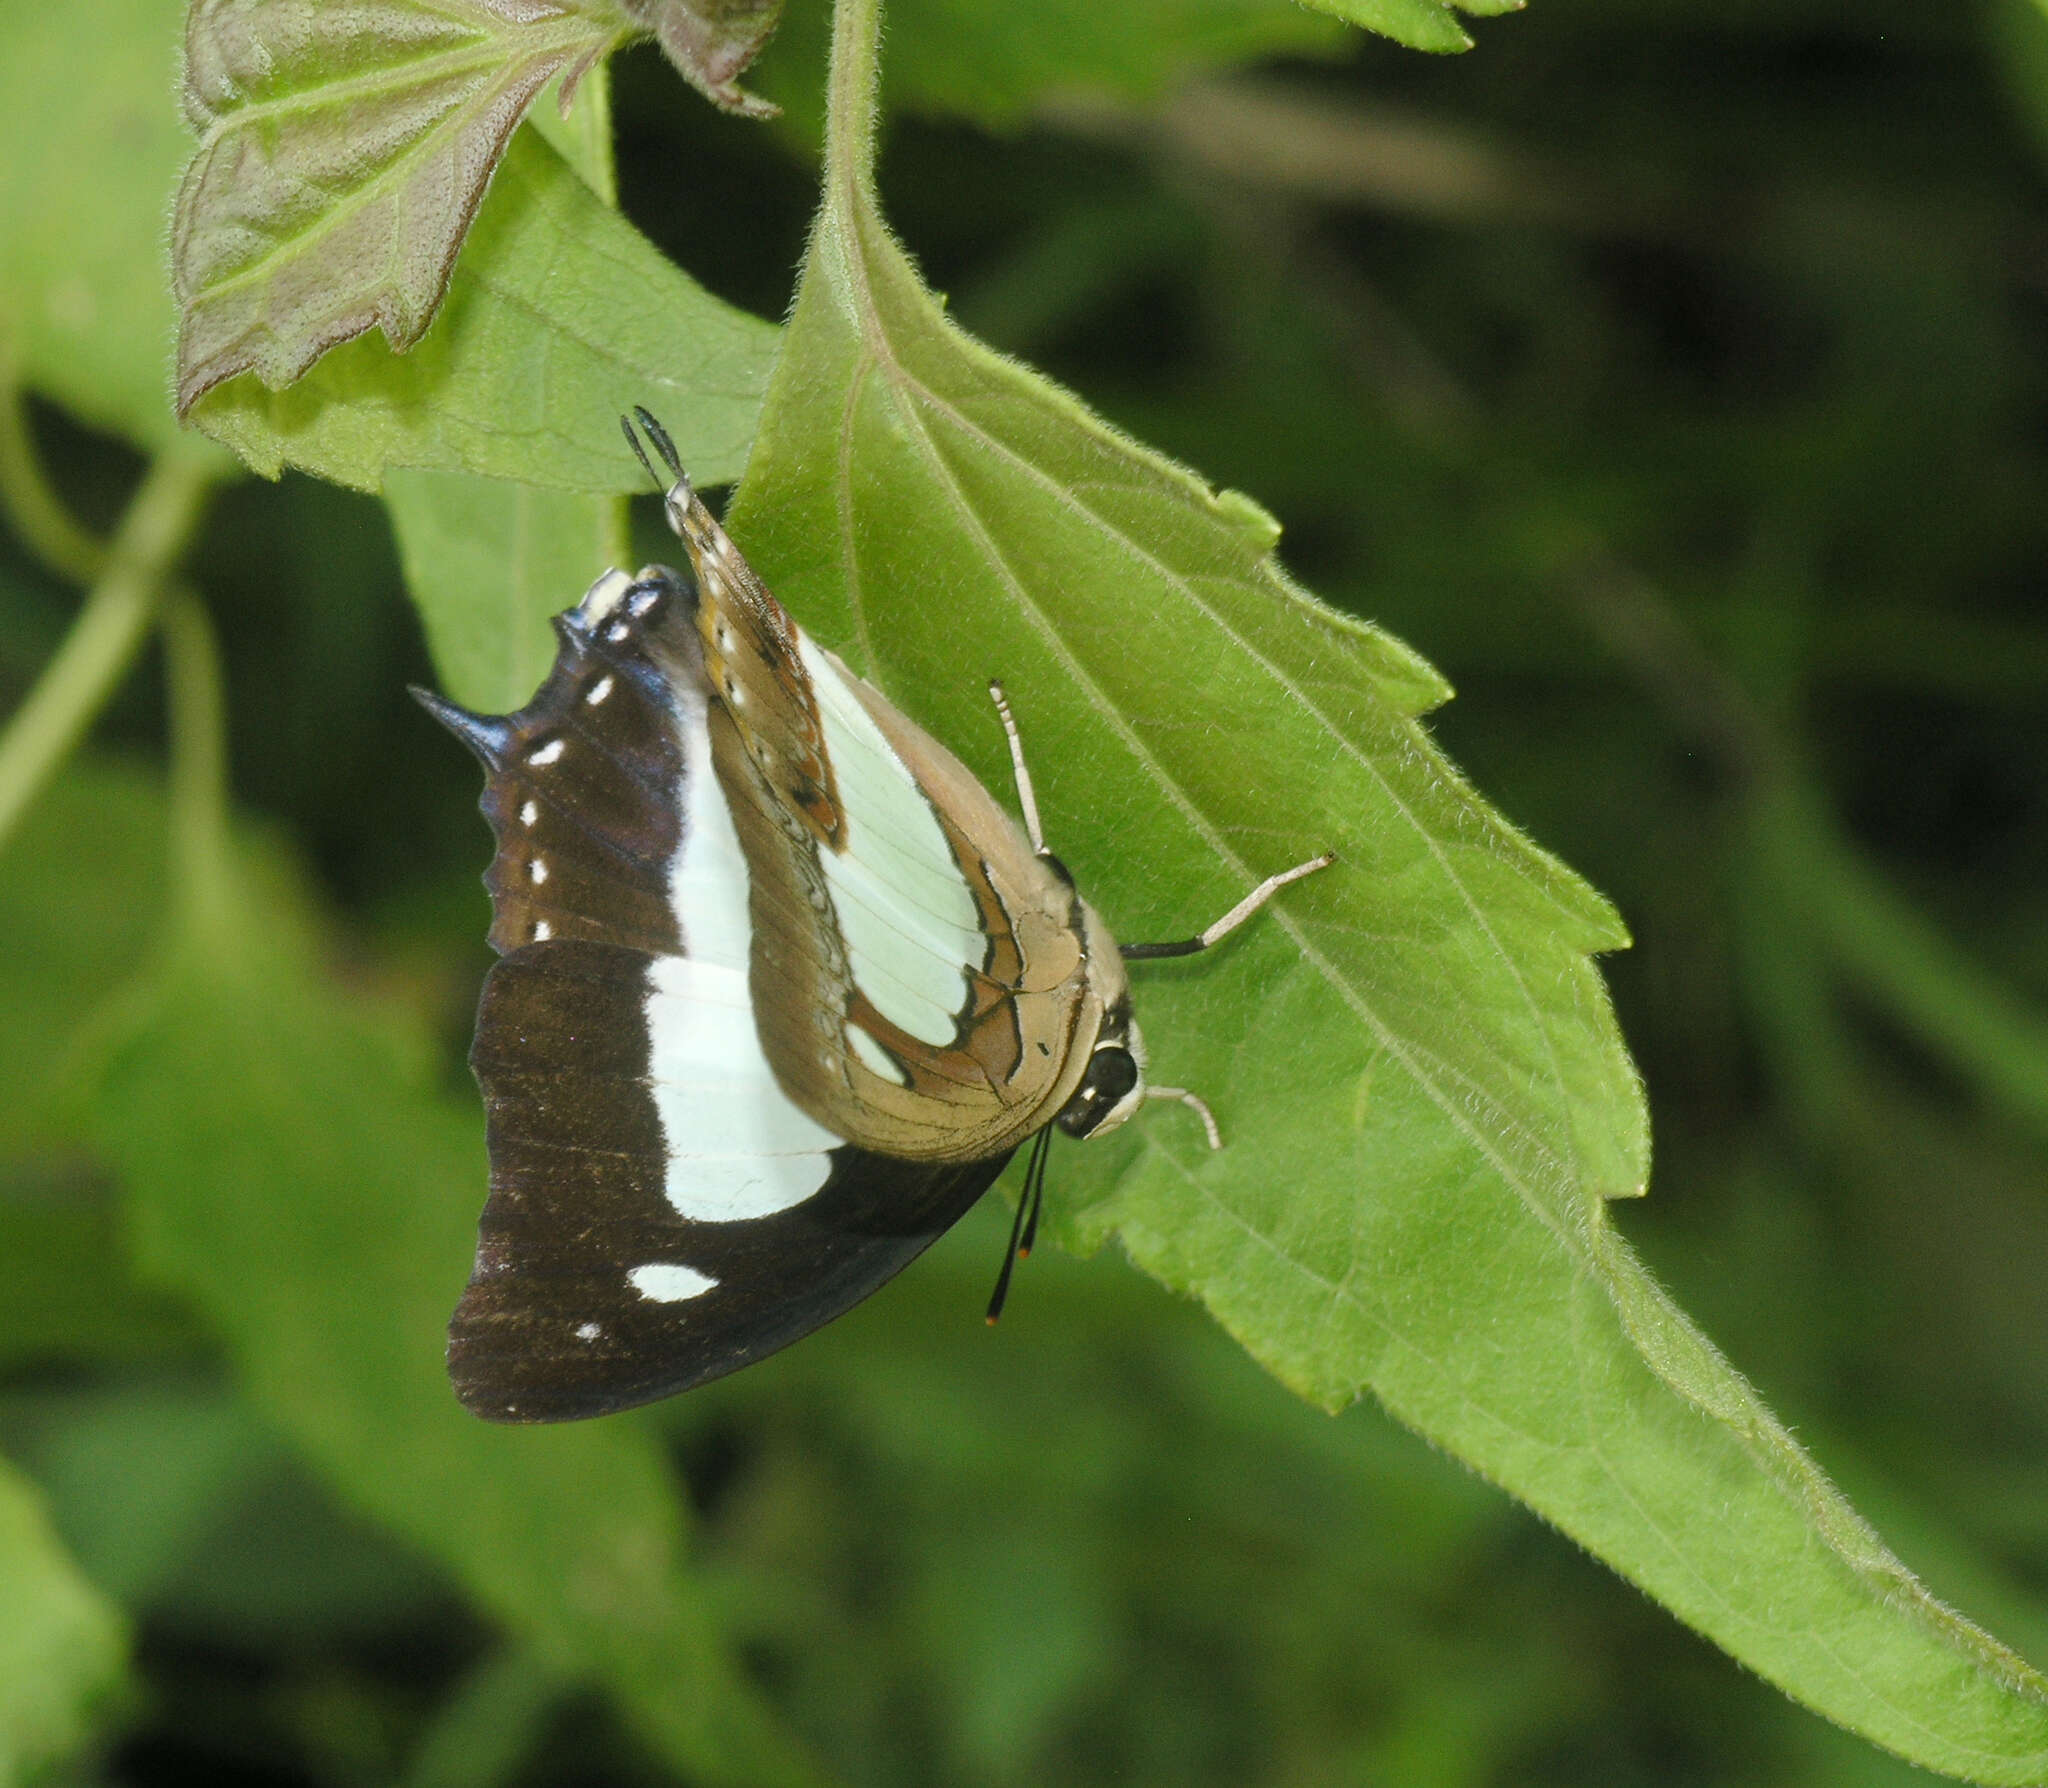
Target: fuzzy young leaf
x=344, y=151
x=560, y=316
x=711, y=42
x=1412, y=1055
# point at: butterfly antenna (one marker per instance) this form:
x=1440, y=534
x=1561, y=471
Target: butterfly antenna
x=640, y=453
x=632, y=435
x=1034, y=1173
x=662, y=444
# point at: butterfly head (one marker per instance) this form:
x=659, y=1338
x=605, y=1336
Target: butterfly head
x=1112, y=1086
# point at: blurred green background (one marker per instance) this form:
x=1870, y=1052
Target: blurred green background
x=1672, y=378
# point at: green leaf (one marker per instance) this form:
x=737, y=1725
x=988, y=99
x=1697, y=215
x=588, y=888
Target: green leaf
x=1420, y=24
x=61, y=1646
x=137, y=1473
x=63, y=1295
x=1412, y=1055
x=79, y=924
x=89, y=94
x=292, y=1173
x=559, y=317
x=488, y=562
x=343, y=152
x=2018, y=32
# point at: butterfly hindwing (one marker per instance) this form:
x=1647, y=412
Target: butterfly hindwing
x=592, y=1292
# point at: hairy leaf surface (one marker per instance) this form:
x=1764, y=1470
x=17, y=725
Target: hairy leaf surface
x=343, y=152
x=1413, y=1057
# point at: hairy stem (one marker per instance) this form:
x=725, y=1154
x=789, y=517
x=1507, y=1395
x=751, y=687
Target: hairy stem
x=851, y=98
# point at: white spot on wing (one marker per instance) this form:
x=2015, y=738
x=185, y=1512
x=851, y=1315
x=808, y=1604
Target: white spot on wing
x=543, y=755
x=529, y=811
x=588, y=1331
x=542, y=931
x=737, y=1147
x=537, y=871
x=598, y=691
x=878, y=1059
x=666, y=1284
x=643, y=600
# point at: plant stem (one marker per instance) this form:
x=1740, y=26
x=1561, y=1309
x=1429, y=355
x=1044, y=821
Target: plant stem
x=102, y=642
x=199, y=762
x=38, y=515
x=851, y=99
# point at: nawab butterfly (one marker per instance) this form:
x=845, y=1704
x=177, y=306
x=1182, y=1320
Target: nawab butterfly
x=780, y=990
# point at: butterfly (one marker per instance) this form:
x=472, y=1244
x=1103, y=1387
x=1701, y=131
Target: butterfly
x=780, y=989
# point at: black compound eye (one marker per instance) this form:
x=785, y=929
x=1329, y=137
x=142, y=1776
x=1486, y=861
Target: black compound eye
x=1112, y=1072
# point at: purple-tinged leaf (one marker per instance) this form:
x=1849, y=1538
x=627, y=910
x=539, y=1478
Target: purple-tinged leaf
x=710, y=43
x=344, y=150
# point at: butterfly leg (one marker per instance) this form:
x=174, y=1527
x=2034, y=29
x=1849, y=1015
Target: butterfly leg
x=1195, y=1103
x=1231, y=920
x=1026, y=799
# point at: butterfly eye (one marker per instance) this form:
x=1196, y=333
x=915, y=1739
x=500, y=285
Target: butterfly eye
x=1111, y=1077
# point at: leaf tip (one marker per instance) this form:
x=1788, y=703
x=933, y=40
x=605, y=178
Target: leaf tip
x=711, y=46
x=1246, y=514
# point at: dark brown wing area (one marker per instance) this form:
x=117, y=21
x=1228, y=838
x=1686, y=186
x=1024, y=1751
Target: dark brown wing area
x=549, y=1329
x=581, y=792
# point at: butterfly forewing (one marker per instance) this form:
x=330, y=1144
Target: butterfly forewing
x=918, y=972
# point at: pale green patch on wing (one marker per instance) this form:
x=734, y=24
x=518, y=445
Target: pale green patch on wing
x=907, y=918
